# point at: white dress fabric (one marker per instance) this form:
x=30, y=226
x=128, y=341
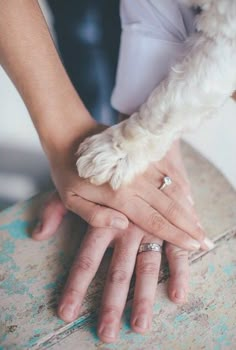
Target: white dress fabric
x=152, y=40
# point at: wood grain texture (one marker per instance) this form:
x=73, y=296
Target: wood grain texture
x=32, y=276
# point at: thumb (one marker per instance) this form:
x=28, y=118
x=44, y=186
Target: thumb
x=51, y=217
x=97, y=215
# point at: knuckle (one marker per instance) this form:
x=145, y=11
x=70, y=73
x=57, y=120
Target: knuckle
x=124, y=201
x=175, y=252
x=100, y=217
x=118, y=277
x=94, y=218
x=142, y=304
x=110, y=312
x=156, y=222
x=174, y=189
x=182, y=274
x=173, y=210
x=180, y=254
x=73, y=293
x=84, y=263
x=147, y=268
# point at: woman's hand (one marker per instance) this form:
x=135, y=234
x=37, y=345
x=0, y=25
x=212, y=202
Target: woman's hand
x=167, y=214
x=124, y=262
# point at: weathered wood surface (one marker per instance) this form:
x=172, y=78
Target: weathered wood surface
x=32, y=275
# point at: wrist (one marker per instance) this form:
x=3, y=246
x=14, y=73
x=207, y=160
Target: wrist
x=67, y=137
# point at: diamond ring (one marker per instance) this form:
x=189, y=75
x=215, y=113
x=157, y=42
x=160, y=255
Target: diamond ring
x=166, y=182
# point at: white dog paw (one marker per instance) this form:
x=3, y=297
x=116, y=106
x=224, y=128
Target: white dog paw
x=110, y=157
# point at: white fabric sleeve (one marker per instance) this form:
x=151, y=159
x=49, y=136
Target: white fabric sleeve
x=153, y=39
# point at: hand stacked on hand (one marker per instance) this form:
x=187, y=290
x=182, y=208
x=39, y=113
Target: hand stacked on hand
x=126, y=218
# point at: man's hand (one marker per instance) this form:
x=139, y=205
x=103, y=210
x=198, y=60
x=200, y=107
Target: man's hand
x=125, y=262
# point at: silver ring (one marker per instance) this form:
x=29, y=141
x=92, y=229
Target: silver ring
x=150, y=247
x=166, y=182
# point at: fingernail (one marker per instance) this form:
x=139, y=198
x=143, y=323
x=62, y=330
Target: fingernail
x=190, y=199
x=68, y=311
x=194, y=244
x=108, y=331
x=180, y=294
x=119, y=223
x=38, y=228
x=209, y=243
x=142, y=322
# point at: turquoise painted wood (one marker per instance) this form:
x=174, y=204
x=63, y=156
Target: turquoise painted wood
x=32, y=276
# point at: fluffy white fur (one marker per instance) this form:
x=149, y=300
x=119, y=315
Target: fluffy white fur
x=194, y=90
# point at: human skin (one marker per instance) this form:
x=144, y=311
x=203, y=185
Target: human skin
x=124, y=263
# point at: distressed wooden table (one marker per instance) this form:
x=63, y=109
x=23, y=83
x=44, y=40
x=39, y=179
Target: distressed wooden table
x=32, y=275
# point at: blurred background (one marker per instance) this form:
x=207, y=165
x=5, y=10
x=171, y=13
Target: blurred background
x=86, y=33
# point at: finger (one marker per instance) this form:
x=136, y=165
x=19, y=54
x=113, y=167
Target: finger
x=178, y=175
x=146, y=217
x=97, y=215
x=179, y=190
x=176, y=192
x=50, y=219
x=178, y=285
x=155, y=173
x=174, y=213
x=117, y=284
x=147, y=272
x=175, y=210
x=82, y=272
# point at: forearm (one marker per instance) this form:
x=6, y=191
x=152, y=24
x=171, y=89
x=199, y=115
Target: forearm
x=28, y=55
x=195, y=88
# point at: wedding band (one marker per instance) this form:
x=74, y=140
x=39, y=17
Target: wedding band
x=150, y=247
x=166, y=182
